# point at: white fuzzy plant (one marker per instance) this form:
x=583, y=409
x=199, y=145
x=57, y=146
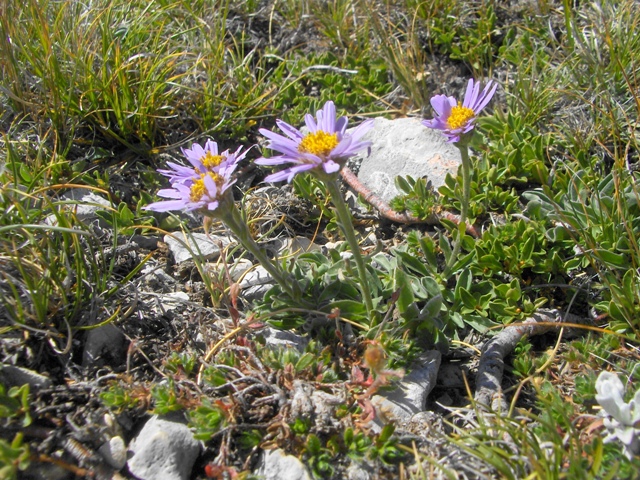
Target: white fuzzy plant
x=622, y=419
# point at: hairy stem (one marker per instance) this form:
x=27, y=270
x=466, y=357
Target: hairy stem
x=464, y=205
x=346, y=224
x=233, y=220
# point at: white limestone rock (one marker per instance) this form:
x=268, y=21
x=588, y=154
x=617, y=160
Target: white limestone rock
x=164, y=449
x=405, y=147
x=186, y=247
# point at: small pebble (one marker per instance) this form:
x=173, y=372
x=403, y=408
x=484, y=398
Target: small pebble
x=114, y=452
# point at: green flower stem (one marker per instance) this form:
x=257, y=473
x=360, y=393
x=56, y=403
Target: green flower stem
x=464, y=204
x=232, y=218
x=346, y=224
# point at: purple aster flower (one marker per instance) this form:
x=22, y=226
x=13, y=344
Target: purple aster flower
x=202, y=187
x=204, y=159
x=325, y=148
x=455, y=119
x=203, y=191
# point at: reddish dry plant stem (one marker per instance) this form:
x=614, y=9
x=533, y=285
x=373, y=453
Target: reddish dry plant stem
x=387, y=212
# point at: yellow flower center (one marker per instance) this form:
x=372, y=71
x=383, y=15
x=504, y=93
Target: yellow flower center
x=319, y=143
x=459, y=116
x=199, y=189
x=210, y=161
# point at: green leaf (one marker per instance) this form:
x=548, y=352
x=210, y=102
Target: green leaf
x=385, y=434
x=479, y=323
x=427, y=245
x=527, y=249
x=432, y=307
x=464, y=282
x=468, y=300
x=125, y=215
x=616, y=313
x=539, y=205
x=514, y=292
x=304, y=361
x=403, y=185
x=206, y=420
x=403, y=286
x=612, y=259
x=313, y=445
x=457, y=319
x=413, y=263
x=348, y=436
x=629, y=284
x=445, y=247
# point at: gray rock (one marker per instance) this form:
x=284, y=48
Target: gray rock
x=275, y=338
x=13, y=376
x=85, y=203
x=358, y=471
x=296, y=246
x=256, y=283
x=114, y=452
x=156, y=278
x=257, y=276
x=148, y=242
x=170, y=301
x=239, y=268
x=450, y=376
x=426, y=424
x=277, y=465
x=405, y=147
x=163, y=450
x=311, y=404
x=104, y=345
x=185, y=247
x=410, y=395
x=45, y=471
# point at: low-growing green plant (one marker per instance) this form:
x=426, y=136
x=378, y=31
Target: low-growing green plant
x=415, y=198
x=545, y=445
x=402, y=50
x=206, y=420
x=14, y=404
x=120, y=398
x=312, y=359
x=347, y=81
x=600, y=218
x=140, y=78
x=181, y=363
x=14, y=457
x=167, y=398
x=339, y=23
x=311, y=189
x=523, y=362
x=52, y=263
x=319, y=458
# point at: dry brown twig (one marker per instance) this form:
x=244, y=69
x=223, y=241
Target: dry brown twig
x=387, y=212
x=489, y=377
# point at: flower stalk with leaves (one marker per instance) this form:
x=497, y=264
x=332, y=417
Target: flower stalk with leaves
x=205, y=188
x=456, y=120
x=323, y=152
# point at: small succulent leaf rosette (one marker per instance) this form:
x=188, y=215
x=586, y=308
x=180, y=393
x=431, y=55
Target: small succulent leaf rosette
x=324, y=150
x=622, y=419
